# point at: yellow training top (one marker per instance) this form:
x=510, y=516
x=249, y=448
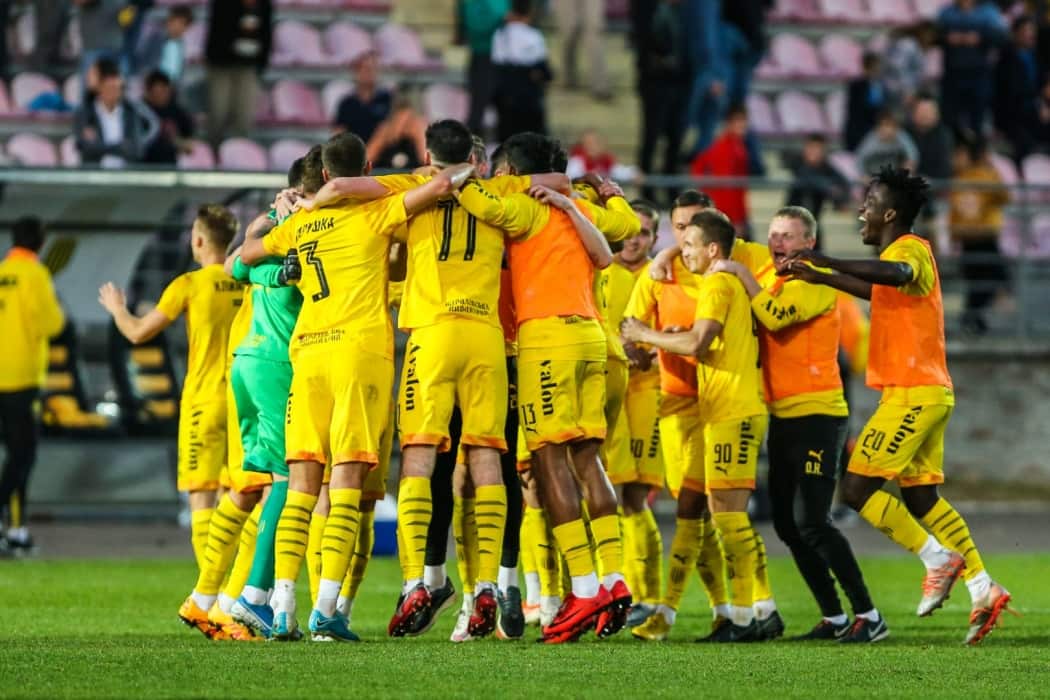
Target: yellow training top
x=29, y=315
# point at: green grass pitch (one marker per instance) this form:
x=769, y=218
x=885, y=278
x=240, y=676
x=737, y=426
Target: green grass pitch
x=109, y=629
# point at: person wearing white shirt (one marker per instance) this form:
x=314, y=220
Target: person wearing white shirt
x=111, y=130
x=519, y=54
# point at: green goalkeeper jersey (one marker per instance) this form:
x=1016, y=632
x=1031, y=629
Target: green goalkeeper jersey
x=275, y=308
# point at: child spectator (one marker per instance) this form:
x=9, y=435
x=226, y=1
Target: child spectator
x=727, y=156
x=165, y=50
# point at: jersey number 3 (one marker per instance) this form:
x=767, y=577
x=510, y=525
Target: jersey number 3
x=447, y=206
x=309, y=249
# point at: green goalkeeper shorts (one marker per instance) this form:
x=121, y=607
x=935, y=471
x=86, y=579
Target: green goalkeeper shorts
x=260, y=389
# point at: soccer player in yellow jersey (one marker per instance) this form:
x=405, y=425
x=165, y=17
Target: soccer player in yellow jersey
x=904, y=439
x=210, y=299
x=732, y=409
x=342, y=361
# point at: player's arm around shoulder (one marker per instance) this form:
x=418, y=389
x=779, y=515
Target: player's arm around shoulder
x=792, y=302
x=516, y=214
x=278, y=241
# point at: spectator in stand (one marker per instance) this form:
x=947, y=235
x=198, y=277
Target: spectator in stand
x=165, y=50
x=931, y=137
x=905, y=60
x=478, y=20
x=663, y=82
x=975, y=221
x=583, y=22
x=400, y=140
x=52, y=18
x=240, y=34
x=1017, y=83
x=102, y=25
x=886, y=144
x=970, y=32
x=709, y=67
x=867, y=98
x=112, y=130
x=133, y=20
x=728, y=157
x=176, y=124
x=519, y=54
x=744, y=26
x=368, y=105
x=5, y=13
x=1043, y=114
x=592, y=155
x=815, y=180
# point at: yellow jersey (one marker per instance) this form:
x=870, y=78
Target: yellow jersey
x=210, y=299
x=756, y=258
x=29, y=315
x=613, y=287
x=344, y=253
x=640, y=380
x=729, y=379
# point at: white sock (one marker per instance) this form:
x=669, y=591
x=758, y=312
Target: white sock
x=284, y=596
x=723, y=610
x=468, y=602
x=18, y=534
x=839, y=620
x=933, y=554
x=609, y=580
x=872, y=615
x=483, y=586
x=410, y=584
x=344, y=606
x=978, y=586
x=508, y=577
x=549, y=602
x=532, y=587
x=585, y=586
x=670, y=614
x=764, y=608
x=742, y=615
x=255, y=596
x=327, y=595
x=434, y=576
x=204, y=602
x=225, y=603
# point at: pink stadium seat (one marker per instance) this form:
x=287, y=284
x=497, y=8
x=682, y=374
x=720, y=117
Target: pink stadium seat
x=263, y=106
x=835, y=110
x=846, y=163
x=794, y=10
x=879, y=43
x=1006, y=168
x=242, y=154
x=200, y=157
x=760, y=114
x=377, y=6
x=934, y=63
x=345, y=42
x=617, y=9
x=849, y=11
x=297, y=44
x=194, y=41
x=795, y=56
x=1036, y=169
x=5, y=102
x=841, y=55
x=332, y=94
x=284, y=152
x=893, y=11
x=443, y=101
x=399, y=46
x=929, y=9
x=293, y=101
x=769, y=69
x=1014, y=241
x=71, y=90
x=68, y=153
x=32, y=151
x=800, y=113
x=25, y=87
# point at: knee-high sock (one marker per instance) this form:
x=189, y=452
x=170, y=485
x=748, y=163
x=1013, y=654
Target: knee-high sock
x=293, y=534
x=738, y=539
x=313, y=552
x=337, y=545
x=652, y=575
x=888, y=515
x=547, y=561
x=608, y=544
x=685, y=548
x=763, y=591
x=634, y=553
x=199, y=521
x=223, y=532
x=465, y=535
x=413, y=519
x=261, y=575
x=529, y=567
x=362, y=555
x=242, y=563
x=945, y=523
x=490, y=512
x=711, y=564
x=575, y=547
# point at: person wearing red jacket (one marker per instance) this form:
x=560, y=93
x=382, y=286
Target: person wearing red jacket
x=727, y=156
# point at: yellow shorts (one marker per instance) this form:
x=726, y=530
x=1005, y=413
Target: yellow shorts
x=234, y=476
x=560, y=399
x=639, y=428
x=682, y=441
x=338, y=407
x=730, y=454
x=460, y=363
x=616, y=451
x=202, y=443
x=375, y=482
x=905, y=443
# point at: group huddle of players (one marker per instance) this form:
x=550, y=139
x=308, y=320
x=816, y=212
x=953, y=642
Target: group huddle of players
x=549, y=385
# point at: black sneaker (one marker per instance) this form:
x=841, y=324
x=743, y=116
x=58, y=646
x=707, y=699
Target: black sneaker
x=733, y=633
x=511, y=623
x=441, y=599
x=639, y=613
x=21, y=547
x=716, y=624
x=771, y=628
x=866, y=631
x=824, y=631
x=5, y=549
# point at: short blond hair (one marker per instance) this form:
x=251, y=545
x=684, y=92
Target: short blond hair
x=218, y=224
x=802, y=214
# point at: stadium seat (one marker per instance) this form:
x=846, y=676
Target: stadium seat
x=841, y=55
x=297, y=44
x=283, y=153
x=26, y=87
x=144, y=376
x=844, y=11
x=929, y=9
x=794, y=11
x=332, y=94
x=68, y=153
x=263, y=106
x=200, y=157
x=1005, y=167
x=1039, y=244
x=242, y=154
x=760, y=115
x=400, y=47
x=443, y=101
x=846, y=163
x=893, y=11
x=1035, y=169
x=72, y=91
x=25, y=34
x=32, y=150
x=294, y=102
x=934, y=63
x=835, y=110
x=799, y=113
x=65, y=408
x=795, y=56
x=345, y=42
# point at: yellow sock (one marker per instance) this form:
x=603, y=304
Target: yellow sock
x=528, y=553
x=339, y=538
x=711, y=565
x=575, y=547
x=242, y=563
x=199, y=521
x=634, y=553
x=362, y=555
x=608, y=544
x=490, y=509
x=889, y=515
x=465, y=535
x=223, y=531
x=544, y=551
x=763, y=591
x=414, y=508
x=292, y=535
x=738, y=538
x=653, y=574
x=313, y=551
x=945, y=523
x=685, y=548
